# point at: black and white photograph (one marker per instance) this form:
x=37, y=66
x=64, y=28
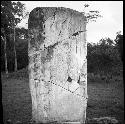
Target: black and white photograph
x=62, y=62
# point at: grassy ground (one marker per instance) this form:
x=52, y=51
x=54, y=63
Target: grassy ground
x=104, y=99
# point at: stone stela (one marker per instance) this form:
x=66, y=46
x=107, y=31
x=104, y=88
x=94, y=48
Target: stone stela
x=57, y=51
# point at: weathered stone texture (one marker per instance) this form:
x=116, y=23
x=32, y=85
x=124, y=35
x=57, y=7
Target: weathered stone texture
x=57, y=64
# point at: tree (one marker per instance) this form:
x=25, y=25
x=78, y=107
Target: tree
x=6, y=19
x=119, y=44
x=91, y=15
x=21, y=32
x=11, y=14
x=105, y=55
x=19, y=14
x=5, y=53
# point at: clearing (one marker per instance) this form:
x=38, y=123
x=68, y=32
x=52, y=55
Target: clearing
x=104, y=99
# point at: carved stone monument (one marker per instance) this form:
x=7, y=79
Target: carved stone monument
x=57, y=65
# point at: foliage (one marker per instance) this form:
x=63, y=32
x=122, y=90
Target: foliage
x=11, y=14
x=6, y=14
x=22, y=54
x=91, y=15
x=119, y=44
x=19, y=12
x=103, y=57
x=22, y=32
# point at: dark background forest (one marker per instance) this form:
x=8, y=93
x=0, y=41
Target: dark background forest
x=104, y=57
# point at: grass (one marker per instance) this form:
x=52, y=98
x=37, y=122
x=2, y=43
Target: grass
x=104, y=99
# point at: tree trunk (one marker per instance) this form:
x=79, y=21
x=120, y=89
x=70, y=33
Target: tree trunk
x=15, y=56
x=57, y=65
x=5, y=47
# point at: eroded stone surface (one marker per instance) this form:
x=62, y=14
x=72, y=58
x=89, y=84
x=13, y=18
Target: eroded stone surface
x=57, y=65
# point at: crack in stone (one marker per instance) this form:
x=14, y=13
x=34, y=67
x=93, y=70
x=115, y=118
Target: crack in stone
x=75, y=90
x=54, y=15
x=69, y=90
x=77, y=33
x=78, y=80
